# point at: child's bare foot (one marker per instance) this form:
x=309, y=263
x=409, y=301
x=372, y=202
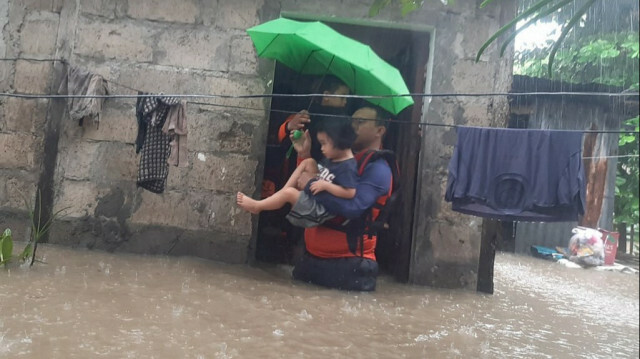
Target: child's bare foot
x=247, y=203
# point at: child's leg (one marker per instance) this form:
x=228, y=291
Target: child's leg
x=309, y=166
x=278, y=200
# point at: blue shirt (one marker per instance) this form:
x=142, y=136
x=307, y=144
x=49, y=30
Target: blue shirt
x=374, y=182
x=343, y=173
x=517, y=175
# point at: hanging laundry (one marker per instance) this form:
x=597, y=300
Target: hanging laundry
x=142, y=124
x=83, y=83
x=176, y=127
x=517, y=175
x=154, y=169
x=152, y=142
x=151, y=111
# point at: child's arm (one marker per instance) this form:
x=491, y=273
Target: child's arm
x=334, y=189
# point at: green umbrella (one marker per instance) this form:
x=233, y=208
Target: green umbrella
x=316, y=49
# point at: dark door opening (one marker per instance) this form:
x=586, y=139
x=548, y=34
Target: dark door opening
x=408, y=51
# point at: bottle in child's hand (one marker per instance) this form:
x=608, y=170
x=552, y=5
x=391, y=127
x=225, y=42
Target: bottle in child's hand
x=297, y=134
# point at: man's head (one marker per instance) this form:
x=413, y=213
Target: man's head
x=370, y=124
x=331, y=85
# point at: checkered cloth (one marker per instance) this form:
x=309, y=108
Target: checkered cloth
x=154, y=169
x=152, y=143
x=158, y=107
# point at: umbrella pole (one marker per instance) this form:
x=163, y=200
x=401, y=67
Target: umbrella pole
x=301, y=70
x=320, y=83
x=290, y=151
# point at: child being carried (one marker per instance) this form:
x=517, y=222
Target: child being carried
x=336, y=173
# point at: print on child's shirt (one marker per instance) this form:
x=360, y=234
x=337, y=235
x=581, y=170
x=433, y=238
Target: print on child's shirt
x=341, y=173
x=325, y=174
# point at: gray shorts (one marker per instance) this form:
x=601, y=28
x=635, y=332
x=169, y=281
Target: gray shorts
x=307, y=212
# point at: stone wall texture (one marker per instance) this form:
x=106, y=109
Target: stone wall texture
x=192, y=46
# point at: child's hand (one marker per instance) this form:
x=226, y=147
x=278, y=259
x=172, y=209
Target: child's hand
x=302, y=145
x=318, y=186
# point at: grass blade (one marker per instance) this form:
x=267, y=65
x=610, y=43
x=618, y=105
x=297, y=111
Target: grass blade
x=26, y=252
x=485, y=3
x=6, y=248
x=378, y=5
x=540, y=15
x=537, y=6
x=565, y=30
x=49, y=222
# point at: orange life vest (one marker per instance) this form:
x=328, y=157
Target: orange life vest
x=339, y=237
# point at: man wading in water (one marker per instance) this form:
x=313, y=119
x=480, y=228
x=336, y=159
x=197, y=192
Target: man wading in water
x=342, y=255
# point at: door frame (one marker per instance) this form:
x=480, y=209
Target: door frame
x=431, y=31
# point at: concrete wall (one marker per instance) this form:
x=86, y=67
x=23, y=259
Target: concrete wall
x=200, y=46
x=29, y=29
x=155, y=46
x=446, y=244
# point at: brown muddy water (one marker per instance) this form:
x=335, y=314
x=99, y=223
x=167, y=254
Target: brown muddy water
x=86, y=304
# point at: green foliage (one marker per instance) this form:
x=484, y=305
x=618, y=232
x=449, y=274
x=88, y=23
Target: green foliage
x=541, y=15
x=564, y=12
x=565, y=31
x=406, y=6
x=626, y=207
x=378, y=5
x=6, y=247
x=533, y=11
x=531, y=14
x=38, y=230
x=608, y=59
x=485, y=3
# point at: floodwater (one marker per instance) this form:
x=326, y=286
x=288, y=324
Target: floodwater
x=87, y=304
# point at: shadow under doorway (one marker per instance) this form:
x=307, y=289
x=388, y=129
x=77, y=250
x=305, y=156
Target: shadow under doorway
x=408, y=51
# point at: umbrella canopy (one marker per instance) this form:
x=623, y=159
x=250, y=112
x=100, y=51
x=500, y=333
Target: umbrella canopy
x=316, y=49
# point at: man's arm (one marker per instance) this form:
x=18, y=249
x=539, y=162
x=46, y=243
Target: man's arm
x=295, y=121
x=374, y=182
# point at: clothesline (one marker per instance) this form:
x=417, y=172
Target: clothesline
x=307, y=95
x=289, y=112
x=32, y=59
x=350, y=117
x=419, y=124
x=196, y=96
x=616, y=156
x=272, y=95
x=162, y=127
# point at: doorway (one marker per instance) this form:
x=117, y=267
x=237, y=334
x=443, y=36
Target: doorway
x=408, y=51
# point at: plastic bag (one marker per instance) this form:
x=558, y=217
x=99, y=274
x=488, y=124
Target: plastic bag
x=586, y=247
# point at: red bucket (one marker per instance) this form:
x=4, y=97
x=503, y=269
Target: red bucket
x=610, y=240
